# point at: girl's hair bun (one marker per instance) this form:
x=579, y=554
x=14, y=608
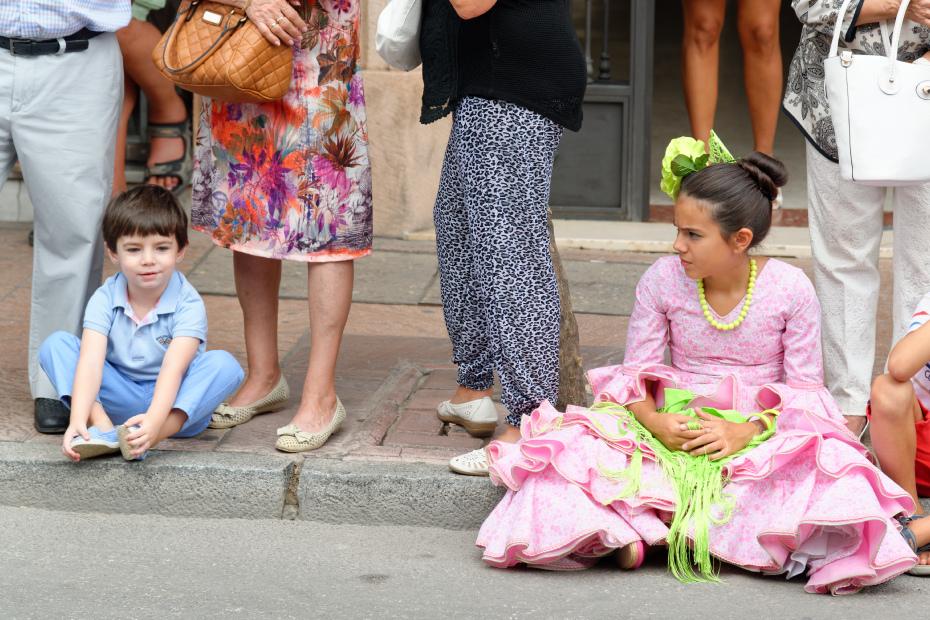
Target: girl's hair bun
x=740, y=194
x=767, y=172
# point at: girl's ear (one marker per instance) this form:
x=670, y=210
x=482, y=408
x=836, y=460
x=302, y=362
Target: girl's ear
x=741, y=240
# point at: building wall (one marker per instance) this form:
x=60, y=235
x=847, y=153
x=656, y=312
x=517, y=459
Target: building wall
x=406, y=156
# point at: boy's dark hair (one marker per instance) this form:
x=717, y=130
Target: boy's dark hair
x=144, y=210
x=740, y=193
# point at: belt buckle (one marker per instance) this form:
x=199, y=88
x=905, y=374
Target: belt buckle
x=14, y=42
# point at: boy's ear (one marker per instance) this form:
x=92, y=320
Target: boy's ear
x=182, y=252
x=111, y=254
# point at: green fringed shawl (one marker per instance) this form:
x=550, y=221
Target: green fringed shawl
x=698, y=483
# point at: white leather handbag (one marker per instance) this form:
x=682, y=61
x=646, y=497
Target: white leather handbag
x=398, y=37
x=881, y=111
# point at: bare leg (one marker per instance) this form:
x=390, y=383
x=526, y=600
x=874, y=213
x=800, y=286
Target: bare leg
x=257, y=283
x=99, y=418
x=172, y=425
x=700, y=51
x=329, y=287
x=130, y=96
x=136, y=41
x=507, y=433
x=894, y=411
x=464, y=395
x=762, y=67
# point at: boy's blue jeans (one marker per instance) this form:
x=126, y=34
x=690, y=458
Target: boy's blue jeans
x=211, y=377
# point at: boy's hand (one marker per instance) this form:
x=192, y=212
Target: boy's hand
x=74, y=429
x=142, y=438
x=719, y=438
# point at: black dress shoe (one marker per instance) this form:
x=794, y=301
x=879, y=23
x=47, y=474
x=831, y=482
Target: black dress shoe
x=51, y=416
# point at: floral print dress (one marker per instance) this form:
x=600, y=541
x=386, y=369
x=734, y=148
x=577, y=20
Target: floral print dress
x=291, y=179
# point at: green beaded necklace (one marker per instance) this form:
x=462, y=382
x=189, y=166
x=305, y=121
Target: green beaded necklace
x=746, y=303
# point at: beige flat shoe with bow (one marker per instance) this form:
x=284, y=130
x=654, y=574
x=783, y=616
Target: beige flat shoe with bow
x=292, y=439
x=227, y=417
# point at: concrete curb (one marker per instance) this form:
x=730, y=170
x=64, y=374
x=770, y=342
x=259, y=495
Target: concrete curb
x=248, y=486
x=413, y=494
x=196, y=484
x=657, y=237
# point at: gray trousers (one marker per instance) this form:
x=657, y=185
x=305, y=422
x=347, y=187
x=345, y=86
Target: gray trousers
x=58, y=115
x=846, y=233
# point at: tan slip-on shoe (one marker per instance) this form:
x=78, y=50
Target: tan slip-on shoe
x=227, y=417
x=478, y=417
x=292, y=439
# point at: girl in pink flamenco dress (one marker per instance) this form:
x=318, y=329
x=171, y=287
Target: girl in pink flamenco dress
x=755, y=467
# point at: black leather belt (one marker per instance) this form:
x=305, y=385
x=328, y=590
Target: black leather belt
x=76, y=42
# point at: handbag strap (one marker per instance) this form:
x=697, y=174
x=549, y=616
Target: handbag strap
x=895, y=38
x=188, y=14
x=838, y=27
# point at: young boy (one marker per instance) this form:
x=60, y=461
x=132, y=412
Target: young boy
x=141, y=361
x=899, y=405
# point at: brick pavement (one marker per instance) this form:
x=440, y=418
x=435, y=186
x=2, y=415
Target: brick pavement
x=394, y=367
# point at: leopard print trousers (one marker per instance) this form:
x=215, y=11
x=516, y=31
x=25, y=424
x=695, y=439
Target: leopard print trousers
x=499, y=293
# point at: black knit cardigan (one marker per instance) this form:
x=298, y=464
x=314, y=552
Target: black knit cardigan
x=521, y=51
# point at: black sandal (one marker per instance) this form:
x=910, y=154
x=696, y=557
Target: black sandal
x=179, y=169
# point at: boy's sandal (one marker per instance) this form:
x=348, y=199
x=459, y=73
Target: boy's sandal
x=226, y=416
x=292, y=439
x=921, y=570
x=178, y=169
x=122, y=431
x=100, y=443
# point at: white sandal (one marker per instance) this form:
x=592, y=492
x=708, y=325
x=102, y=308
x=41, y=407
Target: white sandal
x=474, y=463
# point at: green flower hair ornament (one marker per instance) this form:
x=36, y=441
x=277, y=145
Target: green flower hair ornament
x=686, y=155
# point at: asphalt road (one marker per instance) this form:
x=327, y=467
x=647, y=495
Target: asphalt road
x=121, y=566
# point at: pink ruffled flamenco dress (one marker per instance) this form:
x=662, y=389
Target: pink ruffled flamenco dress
x=808, y=500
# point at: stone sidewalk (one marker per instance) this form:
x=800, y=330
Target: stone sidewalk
x=386, y=464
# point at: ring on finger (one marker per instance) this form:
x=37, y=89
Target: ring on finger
x=280, y=17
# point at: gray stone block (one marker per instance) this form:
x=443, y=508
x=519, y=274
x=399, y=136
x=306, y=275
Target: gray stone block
x=412, y=494
x=201, y=484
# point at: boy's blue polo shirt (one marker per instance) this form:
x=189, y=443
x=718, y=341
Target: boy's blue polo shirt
x=138, y=349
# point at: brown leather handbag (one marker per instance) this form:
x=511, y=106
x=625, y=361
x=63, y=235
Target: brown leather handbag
x=215, y=51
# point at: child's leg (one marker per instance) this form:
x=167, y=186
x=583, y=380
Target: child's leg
x=58, y=358
x=99, y=418
x=173, y=424
x=894, y=411
x=210, y=379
